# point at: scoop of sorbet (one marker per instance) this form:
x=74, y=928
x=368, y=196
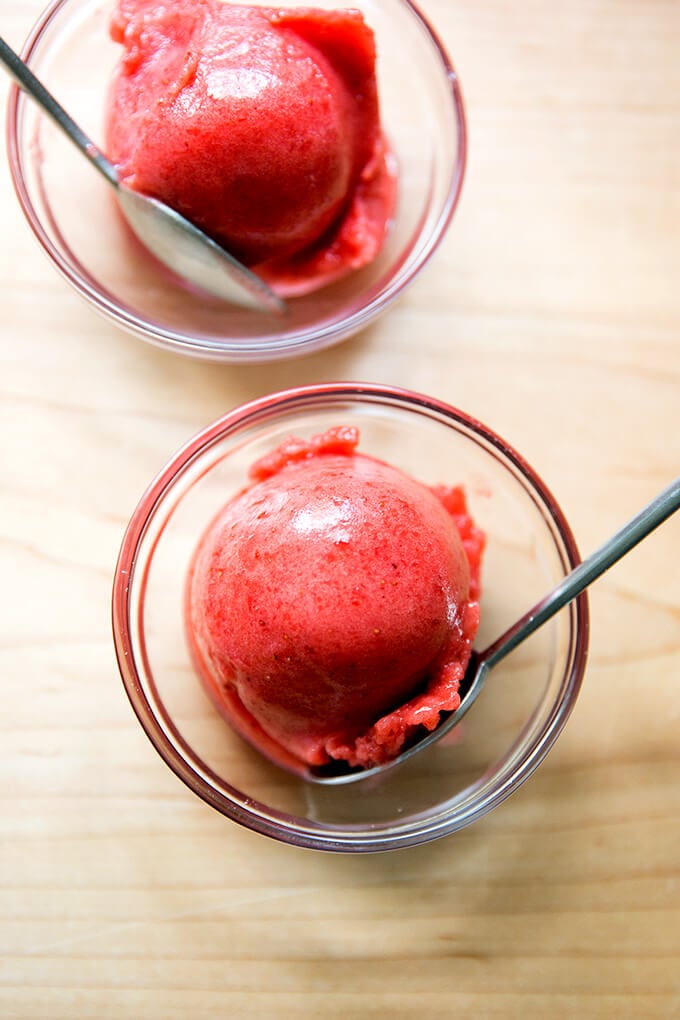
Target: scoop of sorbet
x=331, y=605
x=261, y=126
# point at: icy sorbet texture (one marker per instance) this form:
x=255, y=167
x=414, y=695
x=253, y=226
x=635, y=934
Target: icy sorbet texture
x=261, y=125
x=331, y=605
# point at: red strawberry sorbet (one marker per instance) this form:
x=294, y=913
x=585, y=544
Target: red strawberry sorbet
x=332, y=604
x=261, y=125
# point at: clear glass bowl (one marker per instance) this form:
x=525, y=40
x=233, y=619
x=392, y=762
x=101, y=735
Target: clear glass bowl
x=72, y=211
x=519, y=714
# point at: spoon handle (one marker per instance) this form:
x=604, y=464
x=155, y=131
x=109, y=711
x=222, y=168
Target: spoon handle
x=27, y=81
x=644, y=522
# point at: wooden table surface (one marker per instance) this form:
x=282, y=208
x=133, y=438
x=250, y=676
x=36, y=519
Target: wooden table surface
x=552, y=311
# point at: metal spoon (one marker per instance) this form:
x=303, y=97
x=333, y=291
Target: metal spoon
x=481, y=663
x=168, y=235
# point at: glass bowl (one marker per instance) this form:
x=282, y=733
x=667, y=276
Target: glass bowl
x=73, y=213
x=517, y=717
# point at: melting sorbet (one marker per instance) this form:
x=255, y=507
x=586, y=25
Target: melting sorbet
x=332, y=604
x=259, y=124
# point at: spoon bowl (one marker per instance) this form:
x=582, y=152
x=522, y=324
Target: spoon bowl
x=173, y=239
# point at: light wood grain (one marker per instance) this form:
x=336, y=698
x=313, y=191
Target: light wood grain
x=552, y=311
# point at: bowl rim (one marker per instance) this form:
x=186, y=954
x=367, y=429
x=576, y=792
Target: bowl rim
x=311, y=836
x=274, y=344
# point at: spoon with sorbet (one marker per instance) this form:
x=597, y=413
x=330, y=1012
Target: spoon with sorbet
x=169, y=236
x=481, y=663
